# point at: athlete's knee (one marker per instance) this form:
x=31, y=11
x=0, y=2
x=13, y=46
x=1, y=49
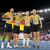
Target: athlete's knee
x=9, y=34
x=15, y=35
x=4, y=35
x=38, y=33
x=25, y=35
x=34, y=34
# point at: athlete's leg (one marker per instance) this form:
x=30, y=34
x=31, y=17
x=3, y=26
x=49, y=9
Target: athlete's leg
x=9, y=38
x=38, y=39
x=24, y=40
x=28, y=38
x=34, y=39
x=3, y=38
x=9, y=30
x=15, y=38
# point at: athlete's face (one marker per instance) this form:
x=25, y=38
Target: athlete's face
x=34, y=11
x=12, y=10
x=27, y=13
x=20, y=14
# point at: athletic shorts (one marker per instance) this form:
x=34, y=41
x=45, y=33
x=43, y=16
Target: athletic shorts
x=27, y=30
x=8, y=28
x=3, y=25
x=35, y=28
x=16, y=29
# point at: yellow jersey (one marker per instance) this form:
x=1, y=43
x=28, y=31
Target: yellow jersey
x=17, y=20
x=35, y=19
x=27, y=20
x=9, y=17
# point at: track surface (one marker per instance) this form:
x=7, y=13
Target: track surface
x=44, y=45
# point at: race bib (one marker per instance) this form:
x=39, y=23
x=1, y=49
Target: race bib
x=22, y=27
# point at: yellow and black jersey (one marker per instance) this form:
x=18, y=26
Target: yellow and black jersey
x=27, y=20
x=36, y=20
x=9, y=17
x=18, y=20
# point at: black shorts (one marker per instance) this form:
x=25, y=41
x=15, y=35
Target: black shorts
x=35, y=28
x=27, y=30
x=16, y=29
x=3, y=25
x=8, y=28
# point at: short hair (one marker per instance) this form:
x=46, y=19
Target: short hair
x=34, y=9
x=19, y=11
x=28, y=11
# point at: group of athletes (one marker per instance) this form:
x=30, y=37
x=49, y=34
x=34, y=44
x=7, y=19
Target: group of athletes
x=21, y=24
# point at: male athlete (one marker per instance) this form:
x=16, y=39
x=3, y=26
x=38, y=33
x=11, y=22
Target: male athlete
x=27, y=19
x=8, y=28
x=16, y=30
x=22, y=23
x=36, y=25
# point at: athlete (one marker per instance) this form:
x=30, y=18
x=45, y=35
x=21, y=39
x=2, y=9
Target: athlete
x=16, y=29
x=8, y=29
x=21, y=23
x=36, y=25
x=21, y=27
x=27, y=19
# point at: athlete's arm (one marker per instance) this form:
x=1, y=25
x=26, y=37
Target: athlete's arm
x=5, y=15
x=40, y=22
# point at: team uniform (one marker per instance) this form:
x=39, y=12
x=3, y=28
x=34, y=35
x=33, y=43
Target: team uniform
x=16, y=26
x=9, y=18
x=27, y=31
x=27, y=25
x=18, y=22
x=7, y=28
x=35, y=25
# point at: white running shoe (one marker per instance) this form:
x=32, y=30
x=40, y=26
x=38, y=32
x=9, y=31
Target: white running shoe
x=8, y=46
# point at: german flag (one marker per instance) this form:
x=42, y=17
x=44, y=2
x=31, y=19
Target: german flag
x=22, y=25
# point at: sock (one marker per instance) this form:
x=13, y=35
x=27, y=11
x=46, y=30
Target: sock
x=24, y=42
x=8, y=43
x=34, y=41
x=2, y=43
x=27, y=42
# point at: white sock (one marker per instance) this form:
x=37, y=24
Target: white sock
x=8, y=43
x=24, y=42
x=2, y=43
x=27, y=42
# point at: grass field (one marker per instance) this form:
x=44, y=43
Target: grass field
x=5, y=38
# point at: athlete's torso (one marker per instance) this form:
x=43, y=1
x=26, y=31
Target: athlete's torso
x=9, y=17
x=27, y=20
x=36, y=19
x=18, y=20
